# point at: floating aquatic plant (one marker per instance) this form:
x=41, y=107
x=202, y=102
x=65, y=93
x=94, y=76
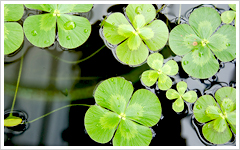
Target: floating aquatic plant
x=218, y=120
x=180, y=95
x=228, y=16
x=198, y=40
x=118, y=110
x=73, y=31
x=131, y=36
x=160, y=72
x=13, y=32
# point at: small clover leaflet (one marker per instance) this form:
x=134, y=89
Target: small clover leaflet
x=180, y=95
x=118, y=110
x=160, y=72
x=218, y=120
x=197, y=42
x=13, y=32
x=228, y=16
x=131, y=36
x=73, y=31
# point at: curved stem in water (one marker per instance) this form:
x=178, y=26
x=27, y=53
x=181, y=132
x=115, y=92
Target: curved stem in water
x=79, y=61
x=160, y=8
x=57, y=110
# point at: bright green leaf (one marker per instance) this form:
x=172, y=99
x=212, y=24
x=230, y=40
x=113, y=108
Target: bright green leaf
x=228, y=16
x=213, y=112
x=200, y=63
x=13, y=12
x=13, y=37
x=181, y=87
x=144, y=108
x=40, y=29
x=134, y=42
x=149, y=77
x=155, y=61
x=100, y=124
x=200, y=107
x=203, y=23
x=220, y=124
x=223, y=43
x=190, y=96
x=12, y=121
x=43, y=7
x=178, y=105
x=232, y=6
x=172, y=94
x=226, y=98
x=170, y=68
x=214, y=136
x=182, y=39
x=68, y=8
x=231, y=118
x=73, y=31
x=130, y=133
x=114, y=94
x=164, y=82
x=138, y=21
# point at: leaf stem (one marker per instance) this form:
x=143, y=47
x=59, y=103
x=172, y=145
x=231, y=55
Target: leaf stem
x=180, y=6
x=55, y=111
x=79, y=61
x=160, y=8
x=18, y=80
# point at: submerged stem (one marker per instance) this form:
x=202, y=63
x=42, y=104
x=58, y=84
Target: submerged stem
x=15, y=95
x=57, y=110
x=79, y=61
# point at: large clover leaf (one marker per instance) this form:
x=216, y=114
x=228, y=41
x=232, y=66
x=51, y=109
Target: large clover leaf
x=219, y=119
x=13, y=32
x=197, y=42
x=160, y=72
x=73, y=31
x=180, y=95
x=132, y=36
x=131, y=118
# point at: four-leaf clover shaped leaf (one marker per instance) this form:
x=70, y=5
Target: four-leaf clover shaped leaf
x=73, y=31
x=118, y=110
x=160, y=72
x=218, y=120
x=228, y=16
x=13, y=32
x=132, y=36
x=180, y=95
x=197, y=41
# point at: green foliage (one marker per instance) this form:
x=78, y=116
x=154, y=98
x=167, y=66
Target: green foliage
x=132, y=35
x=117, y=109
x=73, y=31
x=219, y=119
x=180, y=95
x=228, y=16
x=197, y=43
x=12, y=121
x=13, y=32
x=160, y=72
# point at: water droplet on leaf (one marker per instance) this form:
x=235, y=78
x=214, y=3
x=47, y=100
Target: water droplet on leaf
x=200, y=54
x=85, y=30
x=69, y=25
x=185, y=62
x=149, y=10
x=68, y=37
x=34, y=32
x=46, y=42
x=199, y=106
x=138, y=10
x=227, y=44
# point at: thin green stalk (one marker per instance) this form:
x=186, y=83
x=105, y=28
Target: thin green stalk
x=56, y=110
x=160, y=8
x=79, y=61
x=15, y=95
x=180, y=6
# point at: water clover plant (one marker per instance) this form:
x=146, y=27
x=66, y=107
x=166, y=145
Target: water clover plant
x=73, y=31
x=228, y=16
x=132, y=36
x=219, y=120
x=13, y=32
x=118, y=110
x=180, y=95
x=160, y=72
x=197, y=41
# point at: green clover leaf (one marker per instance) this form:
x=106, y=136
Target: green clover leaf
x=13, y=32
x=196, y=42
x=117, y=109
x=132, y=36
x=160, y=72
x=180, y=95
x=218, y=119
x=73, y=31
x=228, y=16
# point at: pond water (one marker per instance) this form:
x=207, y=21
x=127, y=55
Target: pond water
x=48, y=82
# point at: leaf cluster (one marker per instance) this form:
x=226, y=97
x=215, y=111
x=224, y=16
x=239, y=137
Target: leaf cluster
x=228, y=16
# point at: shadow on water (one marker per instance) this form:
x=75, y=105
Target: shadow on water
x=48, y=83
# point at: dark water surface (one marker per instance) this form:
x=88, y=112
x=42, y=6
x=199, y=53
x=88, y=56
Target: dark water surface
x=48, y=83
